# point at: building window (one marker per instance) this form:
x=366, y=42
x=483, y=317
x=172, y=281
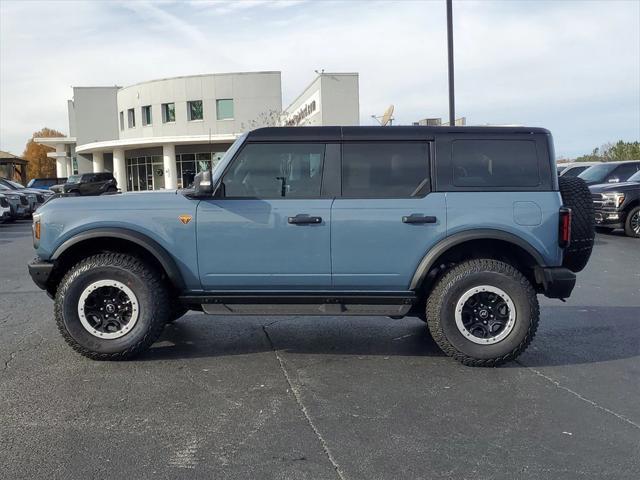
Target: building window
x=121, y=120
x=189, y=164
x=145, y=173
x=194, y=110
x=168, y=112
x=224, y=109
x=131, y=118
x=146, y=115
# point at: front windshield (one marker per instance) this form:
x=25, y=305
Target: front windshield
x=74, y=179
x=229, y=154
x=596, y=173
x=635, y=177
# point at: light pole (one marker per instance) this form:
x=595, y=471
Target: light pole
x=452, y=108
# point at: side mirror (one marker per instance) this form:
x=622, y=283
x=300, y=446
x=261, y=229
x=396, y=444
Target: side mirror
x=202, y=186
x=614, y=180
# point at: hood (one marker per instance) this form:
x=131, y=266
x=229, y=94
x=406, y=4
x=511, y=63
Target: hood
x=614, y=187
x=130, y=200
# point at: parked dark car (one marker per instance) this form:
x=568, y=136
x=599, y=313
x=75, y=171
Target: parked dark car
x=575, y=168
x=618, y=206
x=610, y=172
x=88, y=184
x=35, y=197
x=18, y=203
x=45, y=183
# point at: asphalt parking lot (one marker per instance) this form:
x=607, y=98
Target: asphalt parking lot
x=325, y=397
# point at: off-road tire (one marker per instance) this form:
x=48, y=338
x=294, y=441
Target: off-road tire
x=576, y=196
x=628, y=228
x=450, y=288
x=145, y=282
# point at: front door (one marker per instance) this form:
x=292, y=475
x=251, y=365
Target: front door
x=386, y=219
x=270, y=228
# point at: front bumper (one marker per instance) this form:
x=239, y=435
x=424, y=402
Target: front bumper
x=609, y=218
x=557, y=282
x=40, y=271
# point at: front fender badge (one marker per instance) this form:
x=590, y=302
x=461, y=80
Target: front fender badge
x=185, y=219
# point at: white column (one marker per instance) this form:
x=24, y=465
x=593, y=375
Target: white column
x=170, y=167
x=98, y=162
x=61, y=161
x=120, y=169
x=69, y=167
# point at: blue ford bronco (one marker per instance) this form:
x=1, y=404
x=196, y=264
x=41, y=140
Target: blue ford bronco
x=462, y=227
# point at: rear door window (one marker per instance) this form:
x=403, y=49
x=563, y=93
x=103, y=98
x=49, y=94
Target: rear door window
x=495, y=163
x=385, y=169
x=623, y=172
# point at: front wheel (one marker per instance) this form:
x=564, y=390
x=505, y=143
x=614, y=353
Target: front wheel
x=483, y=313
x=111, y=306
x=632, y=224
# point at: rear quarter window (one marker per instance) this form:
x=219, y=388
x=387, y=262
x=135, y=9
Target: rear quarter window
x=495, y=163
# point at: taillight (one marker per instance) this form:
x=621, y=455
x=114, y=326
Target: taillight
x=564, y=234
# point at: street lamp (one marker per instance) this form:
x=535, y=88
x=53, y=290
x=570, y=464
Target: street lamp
x=452, y=109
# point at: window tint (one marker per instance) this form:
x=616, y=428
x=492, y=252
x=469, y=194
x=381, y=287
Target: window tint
x=385, y=169
x=276, y=171
x=495, y=163
x=623, y=172
x=575, y=171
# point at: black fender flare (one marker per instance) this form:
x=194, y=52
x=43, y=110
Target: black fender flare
x=154, y=248
x=457, y=238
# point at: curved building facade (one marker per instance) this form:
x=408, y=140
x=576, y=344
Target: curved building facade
x=161, y=133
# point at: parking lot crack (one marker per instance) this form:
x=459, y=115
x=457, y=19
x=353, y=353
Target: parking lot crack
x=298, y=398
x=581, y=397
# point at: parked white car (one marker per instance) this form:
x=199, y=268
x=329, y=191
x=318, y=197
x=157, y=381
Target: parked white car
x=573, y=169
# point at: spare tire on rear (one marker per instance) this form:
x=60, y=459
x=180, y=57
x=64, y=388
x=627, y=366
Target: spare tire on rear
x=577, y=197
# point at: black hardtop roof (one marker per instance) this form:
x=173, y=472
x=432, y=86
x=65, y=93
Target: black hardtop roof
x=379, y=133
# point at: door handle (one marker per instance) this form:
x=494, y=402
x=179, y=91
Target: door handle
x=418, y=218
x=304, y=219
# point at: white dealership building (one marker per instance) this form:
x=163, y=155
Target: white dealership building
x=160, y=133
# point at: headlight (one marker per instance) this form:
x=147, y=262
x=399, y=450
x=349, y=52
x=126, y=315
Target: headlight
x=613, y=199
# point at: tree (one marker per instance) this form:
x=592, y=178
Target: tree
x=40, y=166
x=269, y=118
x=612, y=152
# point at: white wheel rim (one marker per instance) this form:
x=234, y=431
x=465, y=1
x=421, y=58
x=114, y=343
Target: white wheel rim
x=87, y=315
x=484, y=315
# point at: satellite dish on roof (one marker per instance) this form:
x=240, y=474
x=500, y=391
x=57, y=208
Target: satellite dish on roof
x=386, y=118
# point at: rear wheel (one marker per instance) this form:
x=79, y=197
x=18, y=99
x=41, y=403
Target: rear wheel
x=632, y=224
x=111, y=306
x=483, y=313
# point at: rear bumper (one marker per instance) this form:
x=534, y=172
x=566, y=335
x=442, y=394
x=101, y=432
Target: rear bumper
x=557, y=282
x=40, y=272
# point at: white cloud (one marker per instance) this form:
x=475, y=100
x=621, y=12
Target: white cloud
x=571, y=66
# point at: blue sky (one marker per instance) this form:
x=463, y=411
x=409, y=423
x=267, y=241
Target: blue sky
x=570, y=66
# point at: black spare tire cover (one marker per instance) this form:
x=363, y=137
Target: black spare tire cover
x=577, y=197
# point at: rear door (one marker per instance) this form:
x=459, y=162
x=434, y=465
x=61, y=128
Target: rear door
x=387, y=218
x=270, y=230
